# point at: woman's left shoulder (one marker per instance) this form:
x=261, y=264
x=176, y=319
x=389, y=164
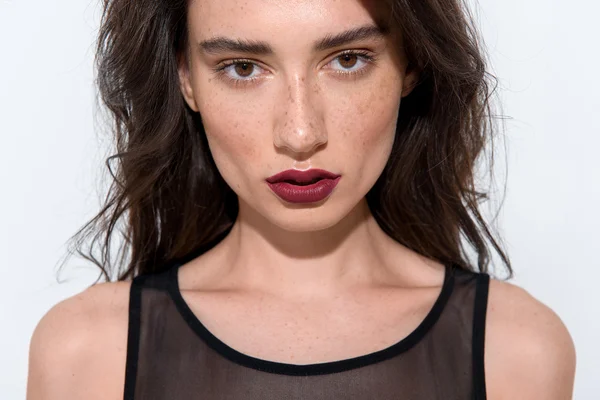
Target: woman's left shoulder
x=529, y=353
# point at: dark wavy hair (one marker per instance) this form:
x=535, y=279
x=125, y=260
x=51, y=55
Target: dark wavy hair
x=167, y=201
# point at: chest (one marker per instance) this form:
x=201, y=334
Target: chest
x=311, y=332
x=219, y=345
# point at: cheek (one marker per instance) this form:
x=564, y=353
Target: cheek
x=368, y=124
x=233, y=134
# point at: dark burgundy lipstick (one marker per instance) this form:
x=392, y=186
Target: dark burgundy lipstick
x=308, y=186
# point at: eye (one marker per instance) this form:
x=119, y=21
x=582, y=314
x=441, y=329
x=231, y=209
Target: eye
x=238, y=71
x=349, y=59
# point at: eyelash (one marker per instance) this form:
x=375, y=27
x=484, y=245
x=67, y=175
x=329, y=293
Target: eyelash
x=221, y=69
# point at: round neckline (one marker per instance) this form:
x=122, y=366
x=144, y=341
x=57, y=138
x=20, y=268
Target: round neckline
x=309, y=369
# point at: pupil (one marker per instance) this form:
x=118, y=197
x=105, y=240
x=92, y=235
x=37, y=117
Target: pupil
x=243, y=69
x=347, y=59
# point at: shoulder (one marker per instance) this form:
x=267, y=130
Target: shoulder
x=529, y=353
x=80, y=344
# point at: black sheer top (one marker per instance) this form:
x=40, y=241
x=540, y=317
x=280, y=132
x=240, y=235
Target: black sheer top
x=171, y=354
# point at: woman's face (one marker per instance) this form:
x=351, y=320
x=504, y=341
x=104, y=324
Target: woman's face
x=295, y=100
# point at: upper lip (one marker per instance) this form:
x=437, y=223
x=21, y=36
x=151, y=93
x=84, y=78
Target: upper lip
x=301, y=176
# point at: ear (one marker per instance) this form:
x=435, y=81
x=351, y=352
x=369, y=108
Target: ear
x=185, y=82
x=411, y=79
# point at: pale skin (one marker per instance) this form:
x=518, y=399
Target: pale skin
x=307, y=277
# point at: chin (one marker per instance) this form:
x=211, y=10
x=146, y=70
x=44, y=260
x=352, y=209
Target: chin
x=309, y=217
x=265, y=209
x=300, y=225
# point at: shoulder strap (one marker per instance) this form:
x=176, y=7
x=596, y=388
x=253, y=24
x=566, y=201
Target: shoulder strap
x=133, y=336
x=138, y=284
x=479, y=316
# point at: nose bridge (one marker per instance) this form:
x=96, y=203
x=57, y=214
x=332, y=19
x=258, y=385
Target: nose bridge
x=300, y=128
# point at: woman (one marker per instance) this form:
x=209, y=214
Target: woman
x=294, y=179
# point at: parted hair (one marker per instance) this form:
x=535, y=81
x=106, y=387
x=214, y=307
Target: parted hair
x=167, y=201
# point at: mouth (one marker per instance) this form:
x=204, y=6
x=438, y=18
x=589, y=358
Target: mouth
x=297, y=183
x=302, y=178
x=310, y=186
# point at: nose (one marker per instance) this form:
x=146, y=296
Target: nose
x=299, y=128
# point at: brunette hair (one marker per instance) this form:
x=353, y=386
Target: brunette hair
x=168, y=202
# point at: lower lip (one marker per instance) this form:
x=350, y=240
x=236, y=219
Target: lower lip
x=304, y=194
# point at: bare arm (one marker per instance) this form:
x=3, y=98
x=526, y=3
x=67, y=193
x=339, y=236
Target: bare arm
x=529, y=353
x=77, y=350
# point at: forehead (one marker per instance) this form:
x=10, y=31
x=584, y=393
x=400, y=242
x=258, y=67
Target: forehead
x=288, y=20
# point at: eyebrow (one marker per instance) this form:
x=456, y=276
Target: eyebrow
x=222, y=44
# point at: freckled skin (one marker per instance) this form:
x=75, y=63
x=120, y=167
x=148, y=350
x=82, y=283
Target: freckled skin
x=300, y=108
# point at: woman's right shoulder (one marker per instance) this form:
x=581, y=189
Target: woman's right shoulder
x=80, y=344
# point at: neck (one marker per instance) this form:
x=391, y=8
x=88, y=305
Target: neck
x=262, y=256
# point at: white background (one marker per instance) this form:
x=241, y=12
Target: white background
x=544, y=53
